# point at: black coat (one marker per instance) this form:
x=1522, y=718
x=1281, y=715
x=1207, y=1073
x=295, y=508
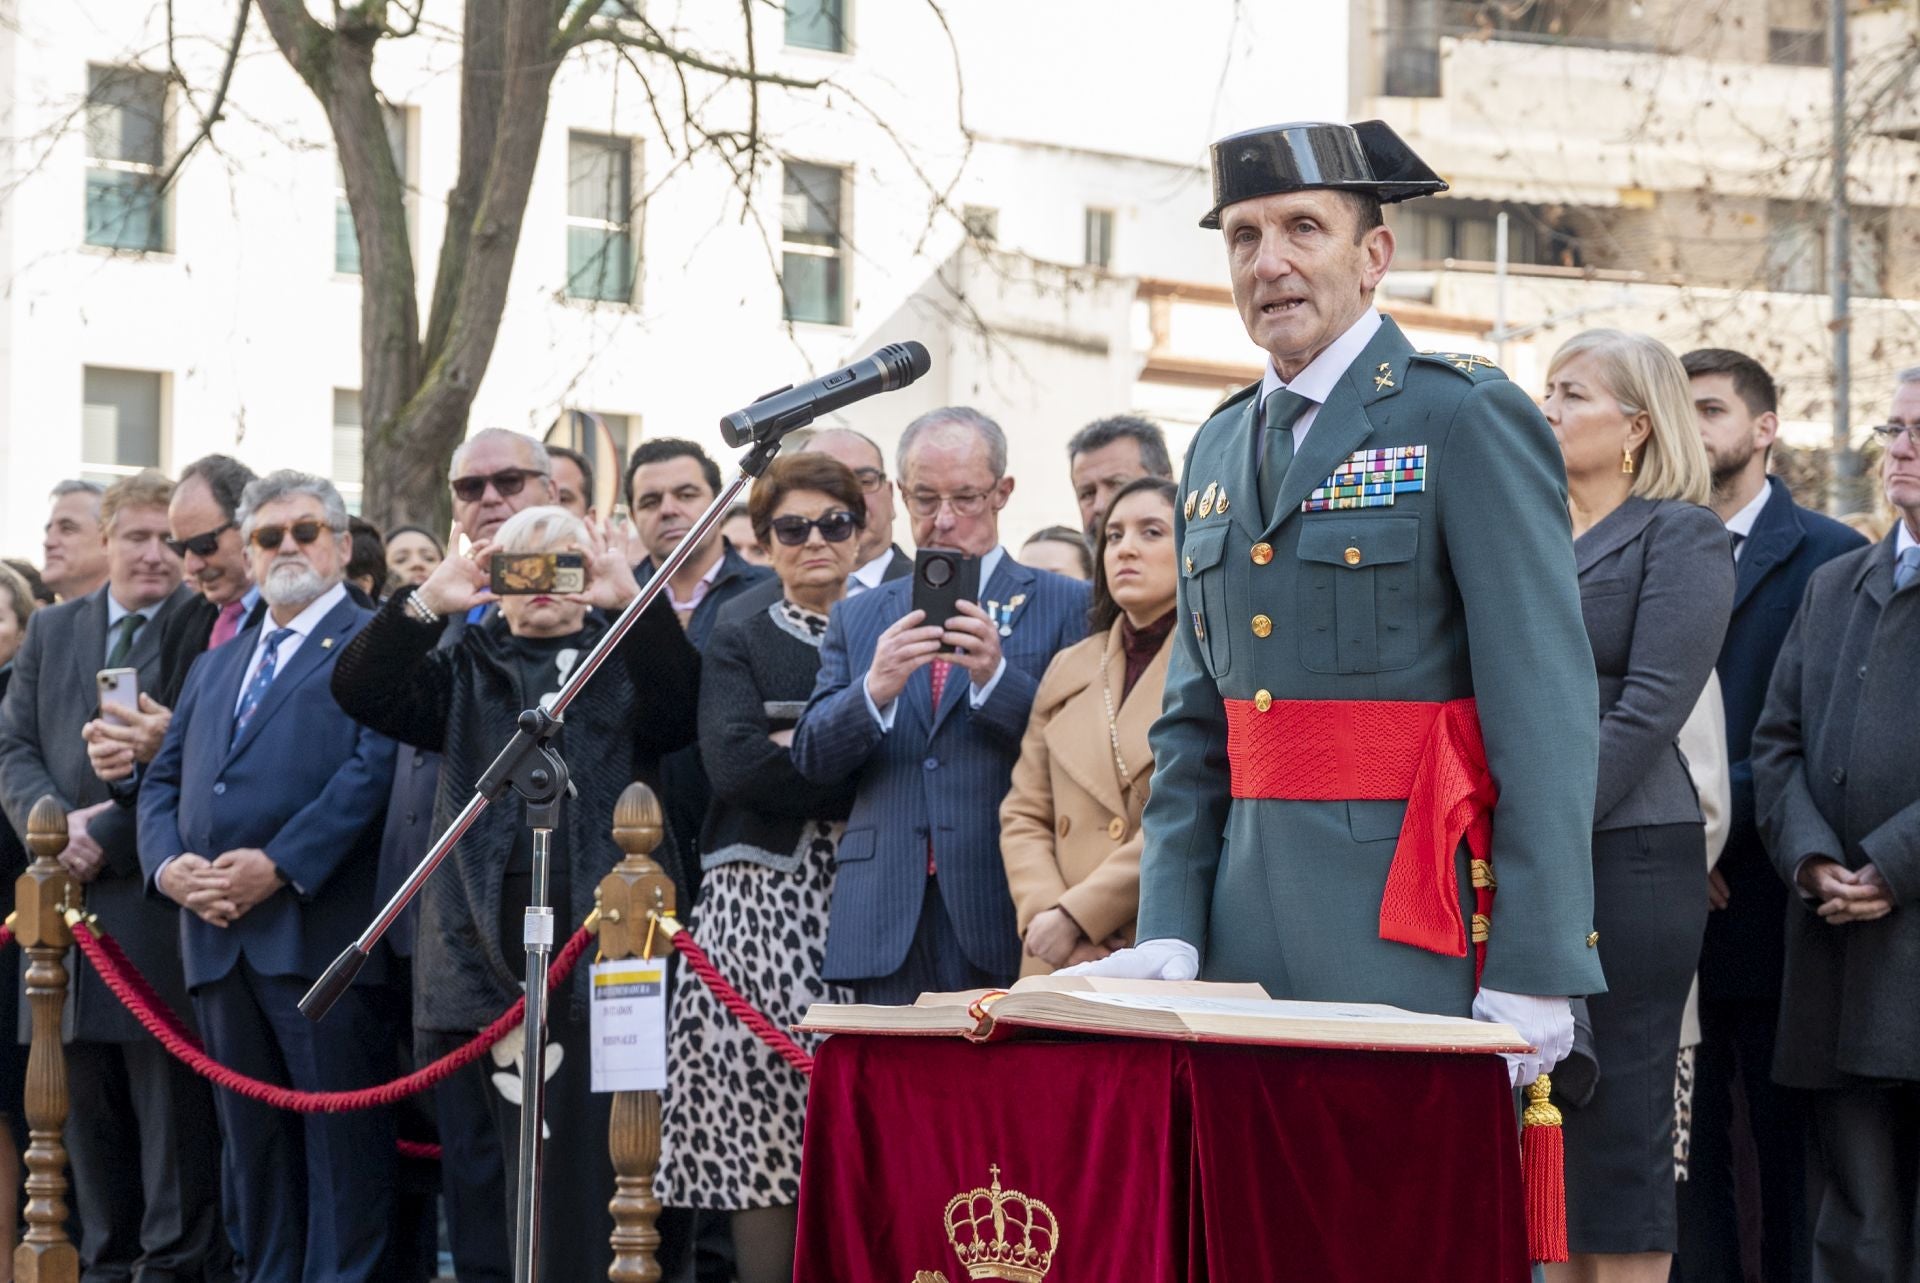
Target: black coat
x=1836, y=770
x=461, y=701
x=1744, y=952
x=184, y=637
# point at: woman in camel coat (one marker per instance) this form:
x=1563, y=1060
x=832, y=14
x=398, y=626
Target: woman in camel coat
x=1070, y=825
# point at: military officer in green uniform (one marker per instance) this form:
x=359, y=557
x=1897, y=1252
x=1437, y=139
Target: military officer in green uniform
x=1374, y=773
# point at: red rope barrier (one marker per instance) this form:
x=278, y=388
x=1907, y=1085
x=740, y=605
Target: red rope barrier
x=138, y=997
x=763, y=1029
x=418, y=1149
x=6, y=935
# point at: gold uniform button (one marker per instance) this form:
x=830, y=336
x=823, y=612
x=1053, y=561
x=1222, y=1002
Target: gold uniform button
x=1593, y=939
x=1263, y=700
x=1353, y=556
x=1065, y=823
x=1262, y=553
x=1116, y=828
x=1262, y=625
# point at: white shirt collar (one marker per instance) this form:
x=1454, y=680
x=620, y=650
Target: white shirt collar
x=116, y=612
x=1741, y=522
x=1903, y=540
x=1317, y=381
x=871, y=574
x=308, y=619
x=989, y=564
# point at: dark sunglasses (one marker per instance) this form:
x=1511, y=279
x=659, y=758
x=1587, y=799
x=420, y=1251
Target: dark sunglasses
x=201, y=545
x=506, y=483
x=834, y=527
x=268, y=538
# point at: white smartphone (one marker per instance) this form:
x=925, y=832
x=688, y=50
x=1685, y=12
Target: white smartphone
x=119, y=688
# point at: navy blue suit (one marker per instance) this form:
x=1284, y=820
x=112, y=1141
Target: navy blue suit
x=1744, y=953
x=310, y=1196
x=893, y=930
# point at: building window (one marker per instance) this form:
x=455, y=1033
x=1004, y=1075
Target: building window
x=126, y=152
x=817, y=24
x=1797, y=33
x=1468, y=231
x=120, y=422
x=600, y=257
x=1099, y=238
x=349, y=446
x=1797, y=249
x=982, y=223
x=813, y=243
x=607, y=439
x=346, y=240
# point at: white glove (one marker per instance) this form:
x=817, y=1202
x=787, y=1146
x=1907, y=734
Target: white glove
x=1149, y=960
x=1547, y=1023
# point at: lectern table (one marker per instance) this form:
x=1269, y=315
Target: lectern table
x=1086, y=1160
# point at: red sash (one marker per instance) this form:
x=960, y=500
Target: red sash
x=1430, y=754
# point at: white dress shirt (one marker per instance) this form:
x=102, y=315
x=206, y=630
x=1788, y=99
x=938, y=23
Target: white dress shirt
x=1741, y=522
x=979, y=694
x=302, y=624
x=870, y=575
x=1322, y=375
x=1902, y=540
x=116, y=612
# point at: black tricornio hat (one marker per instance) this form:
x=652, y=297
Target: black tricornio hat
x=1367, y=157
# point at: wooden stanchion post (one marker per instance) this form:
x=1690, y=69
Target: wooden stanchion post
x=636, y=888
x=40, y=898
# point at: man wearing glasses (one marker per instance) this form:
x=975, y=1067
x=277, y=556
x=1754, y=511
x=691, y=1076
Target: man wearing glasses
x=928, y=714
x=494, y=474
x=1838, y=799
x=878, y=559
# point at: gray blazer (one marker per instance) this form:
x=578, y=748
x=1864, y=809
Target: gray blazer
x=1834, y=774
x=52, y=696
x=1656, y=589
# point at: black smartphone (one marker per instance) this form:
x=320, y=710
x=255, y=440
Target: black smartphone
x=524, y=574
x=942, y=578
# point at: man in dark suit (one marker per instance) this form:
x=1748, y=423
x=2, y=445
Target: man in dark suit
x=1838, y=800
x=261, y=818
x=920, y=900
x=1777, y=545
x=878, y=558
x=140, y=1135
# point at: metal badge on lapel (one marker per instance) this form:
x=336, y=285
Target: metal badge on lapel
x=1193, y=498
x=1206, y=499
x=326, y=643
x=1371, y=479
x=1220, y=504
x=1002, y=616
x=1384, y=379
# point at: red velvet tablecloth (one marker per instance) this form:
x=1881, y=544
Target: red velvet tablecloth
x=1158, y=1162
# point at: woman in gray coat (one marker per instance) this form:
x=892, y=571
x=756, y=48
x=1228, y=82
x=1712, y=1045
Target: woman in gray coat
x=1656, y=588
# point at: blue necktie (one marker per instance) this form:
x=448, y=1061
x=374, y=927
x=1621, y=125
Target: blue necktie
x=263, y=678
x=1906, y=568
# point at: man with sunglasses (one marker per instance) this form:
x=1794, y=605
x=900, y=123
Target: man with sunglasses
x=878, y=559
x=494, y=474
x=261, y=819
x=928, y=716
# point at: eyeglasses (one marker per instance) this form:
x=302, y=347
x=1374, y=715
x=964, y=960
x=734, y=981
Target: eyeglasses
x=268, y=538
x=506, y=483
x=1892, y=432
x=200, y=545
x=968, y=503
x=871, y=479
x=834, y=527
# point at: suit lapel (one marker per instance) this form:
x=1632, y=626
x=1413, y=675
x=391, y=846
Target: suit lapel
x=1241, y=481
x=90, y=645
x=1877, y=577
x=1616, y=530
x=1345, y=422
x=1141, y=708
x=314, y=651
x=1776, y=533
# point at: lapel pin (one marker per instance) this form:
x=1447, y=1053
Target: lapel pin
x=1384, y=379
x=1220, y=504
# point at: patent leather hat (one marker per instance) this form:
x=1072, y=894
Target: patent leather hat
x=1367, y=157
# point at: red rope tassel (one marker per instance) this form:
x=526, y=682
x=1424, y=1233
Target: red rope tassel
x=1543, y=1170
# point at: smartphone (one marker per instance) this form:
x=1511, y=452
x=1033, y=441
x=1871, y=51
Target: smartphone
x=521, y=574
x=942, y=578
x=119, y=688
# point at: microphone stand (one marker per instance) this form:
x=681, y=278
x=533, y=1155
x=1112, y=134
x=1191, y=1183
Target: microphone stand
x=530, y=766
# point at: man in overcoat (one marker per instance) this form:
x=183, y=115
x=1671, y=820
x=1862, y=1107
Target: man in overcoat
x=1374, y=774
x=1837, y=788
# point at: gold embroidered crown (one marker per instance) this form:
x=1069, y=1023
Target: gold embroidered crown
x=1002, y=1234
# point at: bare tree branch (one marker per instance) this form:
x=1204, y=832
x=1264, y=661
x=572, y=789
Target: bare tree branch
x=212, y=115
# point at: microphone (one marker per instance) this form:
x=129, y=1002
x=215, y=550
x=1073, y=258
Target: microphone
x=778, y=413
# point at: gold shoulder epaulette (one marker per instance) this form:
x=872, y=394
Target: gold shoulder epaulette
x=1472, y=364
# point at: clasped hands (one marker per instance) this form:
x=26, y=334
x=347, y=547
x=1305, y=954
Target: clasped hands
x=1057, y=940
x=910, y=644
x=1846, y=895
x=221, y=891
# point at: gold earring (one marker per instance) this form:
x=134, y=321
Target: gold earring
x=1626, y=460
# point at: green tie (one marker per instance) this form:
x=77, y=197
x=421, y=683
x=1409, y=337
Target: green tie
x=123, y=639
x=1284, y=409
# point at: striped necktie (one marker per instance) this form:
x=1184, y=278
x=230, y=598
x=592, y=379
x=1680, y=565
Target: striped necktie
x=262, y=678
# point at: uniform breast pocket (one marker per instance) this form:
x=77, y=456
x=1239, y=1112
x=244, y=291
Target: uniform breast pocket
x=1358, y=588
x=1203, y=575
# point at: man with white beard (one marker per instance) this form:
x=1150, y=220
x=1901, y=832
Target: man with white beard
x=261, y=818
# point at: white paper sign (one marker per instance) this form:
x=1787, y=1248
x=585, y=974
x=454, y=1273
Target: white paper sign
x=630, y=1025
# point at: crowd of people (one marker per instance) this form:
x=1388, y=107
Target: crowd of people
x=865, y=804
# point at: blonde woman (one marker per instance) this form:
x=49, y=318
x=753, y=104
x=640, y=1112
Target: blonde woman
x=1656, y=588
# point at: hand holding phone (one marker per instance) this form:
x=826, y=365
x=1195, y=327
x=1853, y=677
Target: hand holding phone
x=942, y=579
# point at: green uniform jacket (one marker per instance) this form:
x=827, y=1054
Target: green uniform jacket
x=1464, y=588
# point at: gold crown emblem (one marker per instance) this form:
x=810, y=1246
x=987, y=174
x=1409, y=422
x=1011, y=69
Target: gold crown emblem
x=1002, y=1234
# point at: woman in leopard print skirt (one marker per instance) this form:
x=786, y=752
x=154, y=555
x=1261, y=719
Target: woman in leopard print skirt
x=730, y=1137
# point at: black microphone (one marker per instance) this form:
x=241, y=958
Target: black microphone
x=778, y=413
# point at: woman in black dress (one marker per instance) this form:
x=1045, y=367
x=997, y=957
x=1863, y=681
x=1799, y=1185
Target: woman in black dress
x=1656, y=587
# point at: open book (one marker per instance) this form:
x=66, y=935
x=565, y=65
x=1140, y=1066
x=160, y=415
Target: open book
x=1190, y=1011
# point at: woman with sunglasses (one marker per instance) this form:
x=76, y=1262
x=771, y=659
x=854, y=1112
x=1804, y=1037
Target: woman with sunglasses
x=768, y=857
